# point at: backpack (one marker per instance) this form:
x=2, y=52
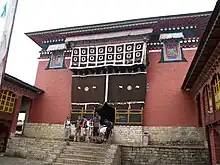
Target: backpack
x=111, y=126
x=85, y=123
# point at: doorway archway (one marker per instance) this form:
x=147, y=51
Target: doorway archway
x=107, y=112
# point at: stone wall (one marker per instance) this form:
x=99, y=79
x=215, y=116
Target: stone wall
x=132, y=135
x=41, y=130
x=159, y=135
x=127, y=135
x=113, y=156
x=40, y=149
x=160, y=155
x=175, y=135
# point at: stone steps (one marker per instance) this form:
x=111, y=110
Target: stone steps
x=61, y=161
x=92, y=145
x=86, y=144
x=82, y=152
x=84, y=148
x=81, y=156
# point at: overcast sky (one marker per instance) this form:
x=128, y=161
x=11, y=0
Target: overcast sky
x=34, y=15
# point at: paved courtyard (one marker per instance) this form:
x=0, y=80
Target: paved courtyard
x=18, y=161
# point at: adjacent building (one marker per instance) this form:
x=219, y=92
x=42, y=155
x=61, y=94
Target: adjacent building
x=203, y=82
x=16, y=96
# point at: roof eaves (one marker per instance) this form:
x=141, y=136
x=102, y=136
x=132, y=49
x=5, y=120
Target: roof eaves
x=202, y=44
x=22, y=84
x=125, y=23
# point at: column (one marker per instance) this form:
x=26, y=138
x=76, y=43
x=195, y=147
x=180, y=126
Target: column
x=106, y=87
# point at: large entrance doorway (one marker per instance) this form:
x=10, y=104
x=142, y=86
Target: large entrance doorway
x=107, y=112
x=23, y=115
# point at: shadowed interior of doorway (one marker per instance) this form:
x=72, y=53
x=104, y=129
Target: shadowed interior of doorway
x=107, y=112
x=4, y=134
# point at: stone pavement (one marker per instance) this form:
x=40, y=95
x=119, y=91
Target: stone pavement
x=18, y=161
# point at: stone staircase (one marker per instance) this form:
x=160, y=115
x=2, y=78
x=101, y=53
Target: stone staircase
x=83, y=154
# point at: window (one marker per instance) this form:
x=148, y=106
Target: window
x=56, y=61
x=205, y=100
x=81, y=112
x=130, y=116
x=210, y=99
x=7, y=101
x=172, y=52
x=216, y=90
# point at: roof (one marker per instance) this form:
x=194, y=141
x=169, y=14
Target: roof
x=207, y=45
x=110, y=35
x=22, y=84
x=153, y=22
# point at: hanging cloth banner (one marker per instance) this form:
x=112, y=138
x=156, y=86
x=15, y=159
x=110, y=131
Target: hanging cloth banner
x=7, y=17
x=125, y=54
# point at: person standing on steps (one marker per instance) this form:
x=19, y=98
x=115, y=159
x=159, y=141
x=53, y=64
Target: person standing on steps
x=109, y=128
x=83, y=128
x=96, y=126
x=78, y=129
x=67, y=128
x=88, y=129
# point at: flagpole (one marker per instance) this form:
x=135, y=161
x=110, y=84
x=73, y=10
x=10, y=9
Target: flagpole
x=8, y=45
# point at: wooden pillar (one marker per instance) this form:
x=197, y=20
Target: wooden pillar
x=15, y=114
x=212, y=145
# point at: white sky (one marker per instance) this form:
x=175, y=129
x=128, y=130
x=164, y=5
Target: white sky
x=34, y=15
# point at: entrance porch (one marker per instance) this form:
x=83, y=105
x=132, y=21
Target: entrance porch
x=15, y=97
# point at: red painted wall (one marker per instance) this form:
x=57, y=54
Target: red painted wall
x=55, y=104
x=166, y=104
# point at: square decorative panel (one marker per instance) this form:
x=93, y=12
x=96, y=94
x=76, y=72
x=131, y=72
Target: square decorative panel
x=120, y=49
x=92, y=50
x=101, y=50
x=119, y=57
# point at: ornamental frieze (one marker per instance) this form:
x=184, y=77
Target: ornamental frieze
x=17, y=90
x=206, y=77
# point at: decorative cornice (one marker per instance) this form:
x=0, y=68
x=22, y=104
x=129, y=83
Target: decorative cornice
x=178, y=28
x=13, y=80
x=53, y=41
x=45, y=52
x=204, y=77
x=119, y=24
x=157, y=45
x=18, y=90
